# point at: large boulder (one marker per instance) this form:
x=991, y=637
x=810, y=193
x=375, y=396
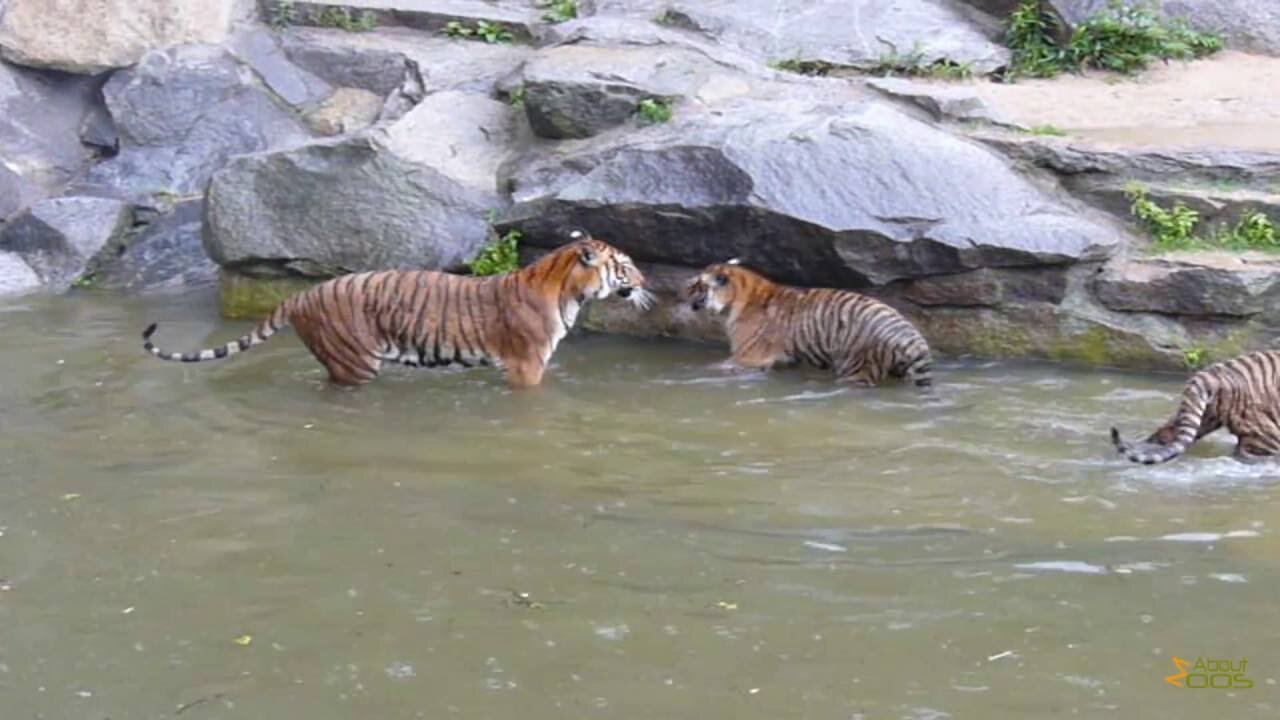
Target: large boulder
x=1213, y=286
x=16, y=276
x=164, y=252
x=846, y=196
x=414, y=194
x=852, y=33
x=91, y=36
x=59, y=237
x=40, y=119
x=181, y=113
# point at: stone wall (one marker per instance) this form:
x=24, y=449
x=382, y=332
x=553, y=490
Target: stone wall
x=149, y=147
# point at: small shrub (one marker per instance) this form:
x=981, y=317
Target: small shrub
x=85, y=281
x=344, y=19
x=516, y=98
x=894, y=63
x=1175, y=228
x=1172, y=229
x=1122, y=38
x=1050, y=130
x=283, y=15
x=558, y=11
x=483, y=30
x=812, y=68
x=498, y=257
x=1195, y=357
x=654, y=111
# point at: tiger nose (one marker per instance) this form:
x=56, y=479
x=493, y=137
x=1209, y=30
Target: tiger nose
x=624, y=292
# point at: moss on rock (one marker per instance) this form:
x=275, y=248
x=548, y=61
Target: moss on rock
x=244, y=297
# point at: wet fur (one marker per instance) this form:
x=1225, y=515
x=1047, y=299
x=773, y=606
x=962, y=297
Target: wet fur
x=1242, y=395
x=861, y=339
x=354, y=323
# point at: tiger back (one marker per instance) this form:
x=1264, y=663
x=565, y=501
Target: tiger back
x=1241, y=394
x=355, y=323
x=862, y=340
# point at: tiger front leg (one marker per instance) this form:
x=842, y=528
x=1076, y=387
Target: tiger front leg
x=523, y=373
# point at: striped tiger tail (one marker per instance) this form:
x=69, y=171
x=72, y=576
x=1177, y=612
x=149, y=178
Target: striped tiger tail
x=1185, y=425
x=278, y=319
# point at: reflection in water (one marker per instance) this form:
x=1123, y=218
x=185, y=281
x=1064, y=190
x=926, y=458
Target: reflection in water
x=644, y=536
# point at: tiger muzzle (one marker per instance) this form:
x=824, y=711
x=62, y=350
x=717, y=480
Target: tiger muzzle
x=624, y=292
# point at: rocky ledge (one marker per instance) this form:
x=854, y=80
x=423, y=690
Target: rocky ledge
x=278, y=144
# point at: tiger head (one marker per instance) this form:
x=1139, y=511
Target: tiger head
x=719, y=286
x=603, y=270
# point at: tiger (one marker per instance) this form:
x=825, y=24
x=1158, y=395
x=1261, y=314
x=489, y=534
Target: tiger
x=1242, y=394
x=422, y=318
x=863, y=340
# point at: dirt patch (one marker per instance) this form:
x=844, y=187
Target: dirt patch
x=1229, y=100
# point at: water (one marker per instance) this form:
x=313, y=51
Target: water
x=642, y=537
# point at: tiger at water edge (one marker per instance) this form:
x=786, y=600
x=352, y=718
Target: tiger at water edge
x=422, y=318
x=861, y=339
x=1242, y=395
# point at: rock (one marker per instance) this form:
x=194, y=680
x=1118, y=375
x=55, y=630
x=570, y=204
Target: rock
x=347, y=110
x=577, y=91
x=942, y=101
x=414, y=194
x=16, y=276
x=181, y=113
x=164, y=254
x=15, y=192
x=852, y=33
x=259, y=48
x=393, y=60
x=40, y=118
x=838, y=196
x=91, y=36
x=242, y=297
x=988, y=287
x=1227, y=286
x=59, y=237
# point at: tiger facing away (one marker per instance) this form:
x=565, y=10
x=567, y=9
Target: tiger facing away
x=354, y=323
x=1242, y=394
x=863, y=340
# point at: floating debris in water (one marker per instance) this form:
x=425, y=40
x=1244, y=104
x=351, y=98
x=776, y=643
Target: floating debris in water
x=400, y=671
x=1001, y=655
x=72, y=496
x=612, y=632
x=243, y=640
x=1068, y=566
x=1229, y=577
x=829, y=547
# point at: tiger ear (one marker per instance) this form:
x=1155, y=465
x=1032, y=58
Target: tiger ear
x=577, y=234
x=733, y=261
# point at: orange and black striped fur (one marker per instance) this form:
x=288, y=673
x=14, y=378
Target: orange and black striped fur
x=863, y=340
x=1242, y=395
x=354, y=323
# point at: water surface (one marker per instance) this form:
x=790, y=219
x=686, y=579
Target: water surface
x=642, y=537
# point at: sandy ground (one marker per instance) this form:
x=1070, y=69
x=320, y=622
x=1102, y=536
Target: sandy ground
x=1230, y=100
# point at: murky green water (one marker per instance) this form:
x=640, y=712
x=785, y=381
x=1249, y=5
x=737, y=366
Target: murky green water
x=692, y=544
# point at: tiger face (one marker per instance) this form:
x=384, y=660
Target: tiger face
x=717, y=286
x=604, y=270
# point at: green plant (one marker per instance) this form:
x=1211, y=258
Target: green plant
x=283, y=14
x=948, y=70
x=516, y=98
x=1031, y=36
x=814, y=68
x=559, y=11
x=1122, y=38
x=85, y=281
x=1050, y=130
x=892, y=62
x=345, y=19
x=1172, y=229
x=498, y=257
x=1175, y=228
x=1195, y=357
x=654, y=110
x=483, y=30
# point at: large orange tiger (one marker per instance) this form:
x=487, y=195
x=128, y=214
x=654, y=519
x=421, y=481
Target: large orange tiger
x=1242, y=394
x=863, y=340
x=354, y=323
